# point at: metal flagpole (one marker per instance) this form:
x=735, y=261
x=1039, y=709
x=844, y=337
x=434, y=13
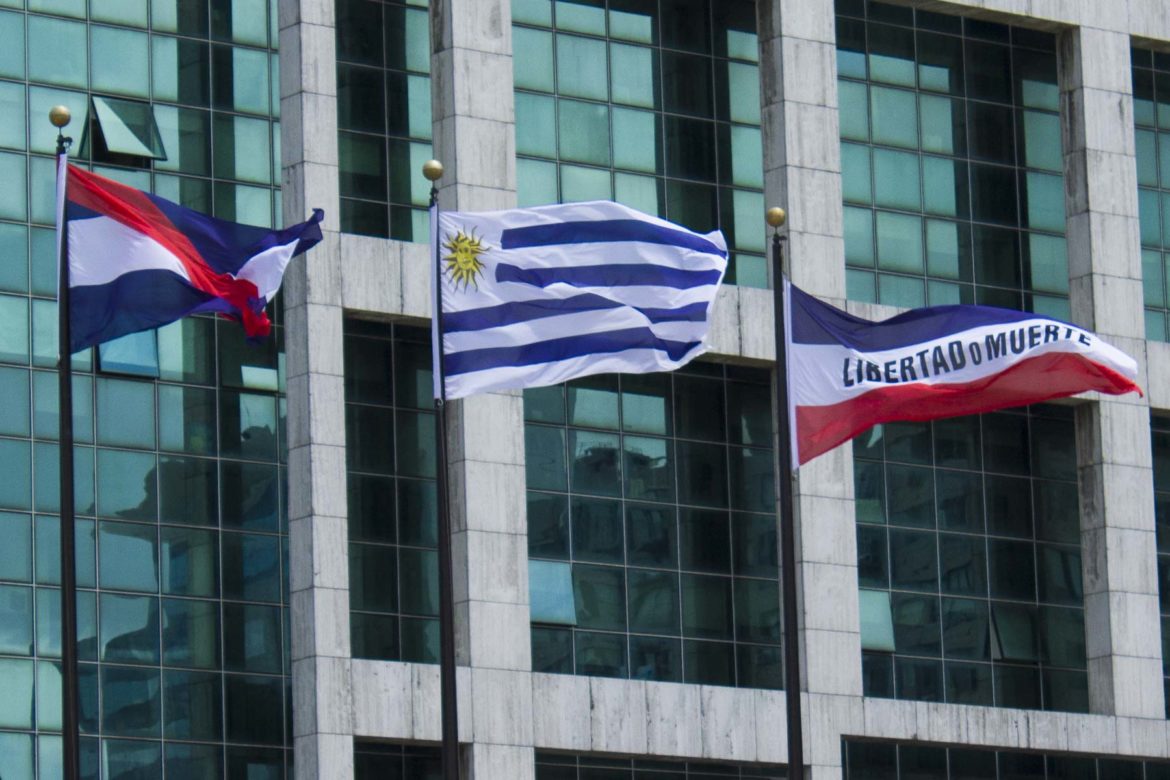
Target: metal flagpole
x=776, y=219
x=433, y=170
x=71, y=734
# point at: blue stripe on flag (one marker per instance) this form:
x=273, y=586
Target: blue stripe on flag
x=525, y=311
x=565, y=348
x=816, y=322
x=617, y=275
x=596, y=231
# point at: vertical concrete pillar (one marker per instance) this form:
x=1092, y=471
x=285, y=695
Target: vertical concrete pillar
x=475, y=140
x=318, y=536
x=1113, y=433
x=802, y=173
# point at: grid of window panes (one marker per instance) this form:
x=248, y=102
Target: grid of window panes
x=885, y=761
x=652, y=527
x=179, y=433
x=969, y=561
x=390, y=761
x=390, y=451
x=183, y=625
x=384, y=116
x=1151, y=117
x=206, y=72
x=568, y=766
x=1160, y=425
x=652, y=103
x=951, y=160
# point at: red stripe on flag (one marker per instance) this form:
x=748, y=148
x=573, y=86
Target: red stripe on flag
x=1054, y=375
x=134, y=209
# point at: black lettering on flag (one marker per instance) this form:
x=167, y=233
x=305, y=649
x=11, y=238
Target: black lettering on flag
x=976, y=352
x=1033, y=335
x=1084, y=339
x=939, y=361
x=889, y=367
x=907, y=368
x=845, y=378
x=958, y=359
x=996, y=345
x=873, y=372
x=922, y=363
x=1051, y=333
x=1018, y=346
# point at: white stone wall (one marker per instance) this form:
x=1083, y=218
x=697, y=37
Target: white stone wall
x=506, y=710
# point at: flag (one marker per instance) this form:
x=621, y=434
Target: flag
x=847, y=374
x=537, y=296
x=138, y=261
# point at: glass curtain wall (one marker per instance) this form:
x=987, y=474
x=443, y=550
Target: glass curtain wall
x=1160, y=424
x=951, y=160
x=388, y=761
x=1151, y=118
x=180, y=433
x=390, y=451
x=567, y=766
x=384, y=116
x=969, y=561
x=652, y=528
x=874, y=761
x=652, y=103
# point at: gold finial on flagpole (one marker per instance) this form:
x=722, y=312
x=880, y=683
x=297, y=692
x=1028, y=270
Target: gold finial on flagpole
x=776, y=217
x=433, y=170
x=60, y=116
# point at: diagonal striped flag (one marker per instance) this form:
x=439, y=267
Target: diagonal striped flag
x=846, y=374
x=534, y=297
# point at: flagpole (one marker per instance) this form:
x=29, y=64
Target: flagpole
x=433, y=170
x=776, y=219
x=70, y=729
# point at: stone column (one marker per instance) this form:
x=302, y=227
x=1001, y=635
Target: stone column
x=318, y=537
x=475, y=140
x=802, y=173
x=1113, y=433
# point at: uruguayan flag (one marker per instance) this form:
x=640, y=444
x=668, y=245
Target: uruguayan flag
x=533, y=297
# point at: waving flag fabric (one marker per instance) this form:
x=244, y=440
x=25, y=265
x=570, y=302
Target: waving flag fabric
x=137, y=261
x=533, y=297
x=846, y=374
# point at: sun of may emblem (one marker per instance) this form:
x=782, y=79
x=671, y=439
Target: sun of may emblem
x=463, y=264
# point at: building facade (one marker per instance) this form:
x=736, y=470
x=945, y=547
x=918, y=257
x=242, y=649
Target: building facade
x=982, y=597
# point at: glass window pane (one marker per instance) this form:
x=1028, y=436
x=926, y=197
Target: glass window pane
x=251, y=567
x=638, y=147
x=584, y=132
x=129, y=631
x=12, y=55
x=12, y=113
x=599, y=593
x=536, y=125
x=125, y=413
x=899, y=242
x=533, y=66
x=577, y=67
x=896, y=181
x=550, y=589
x=895, y=117
x=636, y=85
x=877, y=628
x=57, y=51
x=127, y=485
x=128, y=556
x=13, y=203
x=119, y=61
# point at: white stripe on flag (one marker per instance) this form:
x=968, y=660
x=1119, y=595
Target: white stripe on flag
x=656, y=266
x=817, y=370
x=102, y=249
